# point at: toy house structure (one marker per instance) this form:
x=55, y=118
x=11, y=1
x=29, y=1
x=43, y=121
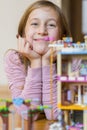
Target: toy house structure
x=72, y=79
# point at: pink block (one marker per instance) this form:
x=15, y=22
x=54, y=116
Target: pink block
x=74, y=128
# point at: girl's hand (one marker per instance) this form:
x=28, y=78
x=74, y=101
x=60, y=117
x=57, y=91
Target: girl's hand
x=26, y=49
x=51, y=53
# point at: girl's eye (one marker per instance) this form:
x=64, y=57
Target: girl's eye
x=51, y=25
x=34, y=24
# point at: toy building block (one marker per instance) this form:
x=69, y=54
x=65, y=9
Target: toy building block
x=32, y=111
x=31, y=114
x=85, y=38
x=4, y=112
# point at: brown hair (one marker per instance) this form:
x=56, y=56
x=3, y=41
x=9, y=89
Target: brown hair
x=62, y=23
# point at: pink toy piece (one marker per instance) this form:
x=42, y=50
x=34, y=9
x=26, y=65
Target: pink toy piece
x=49, y=38
x=46, y=38
x=74, y=128
x=79, y=125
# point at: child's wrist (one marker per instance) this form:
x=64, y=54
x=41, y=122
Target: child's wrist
x=45, y=62
x=36, y=63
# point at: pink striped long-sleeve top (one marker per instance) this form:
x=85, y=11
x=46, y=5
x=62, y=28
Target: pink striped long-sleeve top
x=30, y=83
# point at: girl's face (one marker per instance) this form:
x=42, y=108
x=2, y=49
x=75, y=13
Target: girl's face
x=42, y=27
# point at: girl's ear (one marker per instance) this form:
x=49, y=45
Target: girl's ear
x=17, y=36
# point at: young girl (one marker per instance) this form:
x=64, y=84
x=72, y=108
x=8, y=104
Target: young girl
x=28, y=67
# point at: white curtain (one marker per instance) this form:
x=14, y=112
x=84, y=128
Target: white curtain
x=84, y=16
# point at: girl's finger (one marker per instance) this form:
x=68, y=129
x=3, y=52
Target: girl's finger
x=27, y=47
x=21, y=44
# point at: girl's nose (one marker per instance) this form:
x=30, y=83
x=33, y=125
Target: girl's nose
x=42, y=30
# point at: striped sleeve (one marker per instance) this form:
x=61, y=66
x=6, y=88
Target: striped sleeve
x=22, y=84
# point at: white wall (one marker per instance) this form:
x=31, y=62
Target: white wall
x=10, y=13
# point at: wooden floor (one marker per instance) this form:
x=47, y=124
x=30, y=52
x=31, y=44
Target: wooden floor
x=41, y=124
